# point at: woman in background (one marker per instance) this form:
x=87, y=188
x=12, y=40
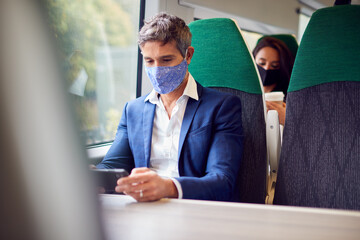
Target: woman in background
x=275, y=63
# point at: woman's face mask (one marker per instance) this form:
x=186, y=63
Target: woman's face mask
x=269, y=77
x=167, y=79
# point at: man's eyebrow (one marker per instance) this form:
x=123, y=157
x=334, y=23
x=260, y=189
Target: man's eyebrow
x=165, y=56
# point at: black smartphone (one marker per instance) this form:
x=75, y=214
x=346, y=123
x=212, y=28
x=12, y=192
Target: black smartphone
x=106, y=178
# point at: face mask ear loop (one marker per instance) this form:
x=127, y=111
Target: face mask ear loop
x=185, y=55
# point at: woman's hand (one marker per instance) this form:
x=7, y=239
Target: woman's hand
x=280, y=108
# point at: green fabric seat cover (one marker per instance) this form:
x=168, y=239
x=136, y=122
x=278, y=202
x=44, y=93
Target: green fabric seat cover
x=221, y=57
x=329, y=50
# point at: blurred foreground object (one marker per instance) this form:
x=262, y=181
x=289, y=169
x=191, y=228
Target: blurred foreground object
x=44, y=181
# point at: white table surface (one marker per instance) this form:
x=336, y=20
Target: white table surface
x=124, y=218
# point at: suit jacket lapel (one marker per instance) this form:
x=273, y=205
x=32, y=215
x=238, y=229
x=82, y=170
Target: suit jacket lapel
x=148, y=122
x=190, y=111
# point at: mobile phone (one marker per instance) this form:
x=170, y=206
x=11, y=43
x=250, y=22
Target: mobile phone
x=106, y=178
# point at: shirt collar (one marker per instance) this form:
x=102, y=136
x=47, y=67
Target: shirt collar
x=190, y=91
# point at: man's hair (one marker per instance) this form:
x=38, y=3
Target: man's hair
x=166, y=28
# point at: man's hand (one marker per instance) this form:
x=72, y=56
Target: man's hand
x=145, y=185
x=92, y=166
x=281, y=109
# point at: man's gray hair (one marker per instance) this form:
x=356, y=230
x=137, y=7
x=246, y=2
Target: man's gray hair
x=166, y=28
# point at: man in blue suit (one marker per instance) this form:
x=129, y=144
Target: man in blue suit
x=182, y=140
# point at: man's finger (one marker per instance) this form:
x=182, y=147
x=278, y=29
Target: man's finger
x=134, y=188
x=140, y=170
x=136, y=178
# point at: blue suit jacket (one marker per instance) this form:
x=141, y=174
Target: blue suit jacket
x=210, y=146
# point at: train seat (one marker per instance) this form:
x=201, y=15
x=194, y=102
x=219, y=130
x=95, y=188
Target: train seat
x=222, y=61
x=319, y=163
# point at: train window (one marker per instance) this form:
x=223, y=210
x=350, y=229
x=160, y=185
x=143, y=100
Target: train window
x=97, y=46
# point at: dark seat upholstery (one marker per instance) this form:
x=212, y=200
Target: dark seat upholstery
x=320, y=158
x=223, y=61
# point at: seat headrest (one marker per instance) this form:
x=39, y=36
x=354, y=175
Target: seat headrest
x=221, y=57
x=329, y=50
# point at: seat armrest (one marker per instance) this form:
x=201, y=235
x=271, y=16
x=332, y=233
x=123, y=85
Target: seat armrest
x=273, y=145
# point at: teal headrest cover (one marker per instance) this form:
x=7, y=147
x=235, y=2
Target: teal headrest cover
x=330, y=48
x=221, y=57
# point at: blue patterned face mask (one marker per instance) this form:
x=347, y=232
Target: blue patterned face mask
x=167, y=79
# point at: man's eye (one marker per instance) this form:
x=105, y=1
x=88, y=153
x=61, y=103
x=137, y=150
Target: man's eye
x=148, y=61
x=261, y=63
x=167, y=60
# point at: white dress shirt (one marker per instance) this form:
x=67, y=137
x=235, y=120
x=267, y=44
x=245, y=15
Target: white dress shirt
x=166, y=133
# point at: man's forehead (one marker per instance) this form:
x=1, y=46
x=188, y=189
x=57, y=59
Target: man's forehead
x=158, y=48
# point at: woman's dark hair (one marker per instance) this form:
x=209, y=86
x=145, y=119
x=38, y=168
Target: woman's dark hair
x=286, y=60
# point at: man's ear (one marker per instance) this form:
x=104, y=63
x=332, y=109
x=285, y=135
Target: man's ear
x=189, y=55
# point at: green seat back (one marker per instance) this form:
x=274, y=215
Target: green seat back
x=288, y=39
x=222, y=61
x=329, y=50
x=319, y=162
x=221, y=57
